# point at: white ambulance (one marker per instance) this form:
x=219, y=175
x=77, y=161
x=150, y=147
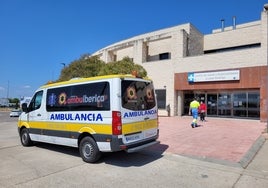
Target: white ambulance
x=98, y=114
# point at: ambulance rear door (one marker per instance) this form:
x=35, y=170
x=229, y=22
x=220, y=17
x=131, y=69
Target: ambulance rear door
x=139, y=111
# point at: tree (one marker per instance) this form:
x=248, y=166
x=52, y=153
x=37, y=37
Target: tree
x=86, y=66
x=89, y=66
x=14, y=101
x=125, y=66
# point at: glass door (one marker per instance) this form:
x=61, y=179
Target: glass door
x=188, y=97
x=212, y=104
x=240, y=104
x=254, y=104
x=224, y=104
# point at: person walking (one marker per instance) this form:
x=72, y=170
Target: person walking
x=202, y=111
x=193, y=109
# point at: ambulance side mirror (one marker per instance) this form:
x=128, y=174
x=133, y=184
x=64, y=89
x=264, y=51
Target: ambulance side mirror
x=24, y=107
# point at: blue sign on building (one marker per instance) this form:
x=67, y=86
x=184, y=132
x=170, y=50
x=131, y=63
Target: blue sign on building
x=190, y=77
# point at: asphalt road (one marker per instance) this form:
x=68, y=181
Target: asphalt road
x=45, y=165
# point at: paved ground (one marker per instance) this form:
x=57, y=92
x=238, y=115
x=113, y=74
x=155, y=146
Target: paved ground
x=232, y=141
x=56, y=166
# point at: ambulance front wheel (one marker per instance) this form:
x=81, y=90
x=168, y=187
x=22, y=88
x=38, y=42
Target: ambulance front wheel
x=89, y=150
x=25, y=138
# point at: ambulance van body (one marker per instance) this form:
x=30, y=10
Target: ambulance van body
x=99, y=114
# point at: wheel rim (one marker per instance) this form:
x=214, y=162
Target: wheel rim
x=87, y=150
x=24, y=137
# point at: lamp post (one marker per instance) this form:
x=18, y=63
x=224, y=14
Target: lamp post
x=7, y=89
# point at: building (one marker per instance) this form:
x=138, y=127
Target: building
x=4, y=102
x=227, y=68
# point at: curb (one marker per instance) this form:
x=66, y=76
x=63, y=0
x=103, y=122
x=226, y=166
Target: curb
x=265, y=135
x=251, y=153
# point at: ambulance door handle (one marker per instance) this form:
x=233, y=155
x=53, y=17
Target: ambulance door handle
x=38, y=114
x=146, y=118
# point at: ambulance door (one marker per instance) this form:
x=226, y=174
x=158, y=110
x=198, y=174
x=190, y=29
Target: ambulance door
x=139, y=111
x=36, y=113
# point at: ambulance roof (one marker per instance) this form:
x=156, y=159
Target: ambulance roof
x=81, y=80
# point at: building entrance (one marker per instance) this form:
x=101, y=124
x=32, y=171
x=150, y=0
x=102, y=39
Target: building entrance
x=237, y=104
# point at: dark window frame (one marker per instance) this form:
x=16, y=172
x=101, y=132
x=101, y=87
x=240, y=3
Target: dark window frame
x=164, y=56
x=161, y=98
x=137, y=95
x=91, y=90
x=36, y=101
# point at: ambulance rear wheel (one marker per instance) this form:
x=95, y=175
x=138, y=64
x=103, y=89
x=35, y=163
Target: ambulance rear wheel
x=25, y=138
x=89, y=150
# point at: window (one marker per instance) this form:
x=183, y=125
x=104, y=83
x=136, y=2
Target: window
x=84, y=97
x=137, y=95
x=253, y=104
x=245, y=104
x=253, y=100
x=240, y=104
x=257, y=45
x=36, y=101
x=161, y=98
x=114, y=57
x=224, y=104
x=164, y=56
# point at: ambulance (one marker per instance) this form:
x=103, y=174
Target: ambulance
x=97, y=114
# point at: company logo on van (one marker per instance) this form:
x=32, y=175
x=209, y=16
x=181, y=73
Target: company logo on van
x=63, y=99
x=139, y=113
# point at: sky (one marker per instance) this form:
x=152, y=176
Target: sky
x=37, y=37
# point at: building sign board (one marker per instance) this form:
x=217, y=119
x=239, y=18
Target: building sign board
x=214, y=76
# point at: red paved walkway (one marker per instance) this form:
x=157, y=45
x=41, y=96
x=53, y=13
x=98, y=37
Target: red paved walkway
x=217, y=138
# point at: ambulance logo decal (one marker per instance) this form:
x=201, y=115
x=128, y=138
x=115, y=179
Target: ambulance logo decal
x=52, y=99
x=131, y=93
x=62, y=98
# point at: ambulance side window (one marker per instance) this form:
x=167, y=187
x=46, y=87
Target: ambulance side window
x=81, y=97
x=36, y=101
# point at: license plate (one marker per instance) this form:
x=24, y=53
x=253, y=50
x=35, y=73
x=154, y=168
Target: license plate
x=133, y=137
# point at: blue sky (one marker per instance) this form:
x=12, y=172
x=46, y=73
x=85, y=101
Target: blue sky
x=37, y=36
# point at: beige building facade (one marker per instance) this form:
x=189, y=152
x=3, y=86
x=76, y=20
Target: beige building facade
x=226, y=69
